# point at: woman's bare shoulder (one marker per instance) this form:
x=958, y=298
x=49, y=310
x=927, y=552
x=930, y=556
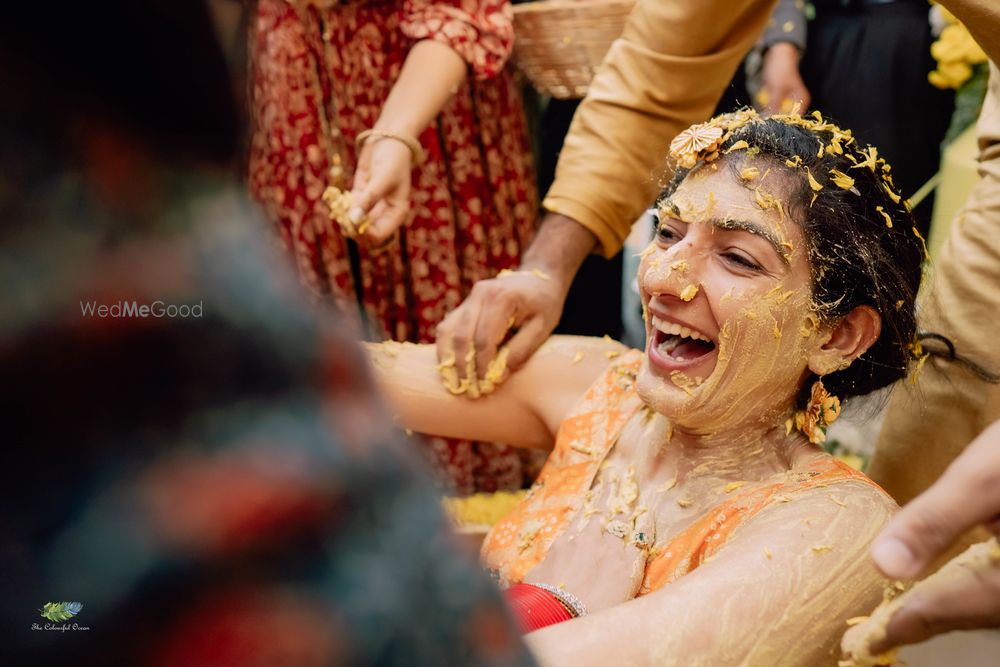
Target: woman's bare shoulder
x=556, y=377
x=580, y=349
x=846, y=509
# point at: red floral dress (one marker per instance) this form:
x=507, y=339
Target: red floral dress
x=474, y=202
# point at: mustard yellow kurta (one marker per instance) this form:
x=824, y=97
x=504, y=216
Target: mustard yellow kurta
x=931, y=421
x=666, y=72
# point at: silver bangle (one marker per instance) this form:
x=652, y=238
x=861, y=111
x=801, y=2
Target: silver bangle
x=573, y=603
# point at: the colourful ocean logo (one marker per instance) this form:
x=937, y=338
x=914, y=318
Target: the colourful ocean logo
x=60, y=611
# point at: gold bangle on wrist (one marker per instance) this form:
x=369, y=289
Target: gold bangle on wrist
x=416, y=150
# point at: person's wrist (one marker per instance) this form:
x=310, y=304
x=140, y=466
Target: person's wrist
x=408, y=140
x=784, y=51
x=559, y=249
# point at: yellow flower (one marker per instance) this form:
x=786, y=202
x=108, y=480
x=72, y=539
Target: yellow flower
x=956, y=73
x=822, y=410
x=482, y=509
x=957, y=44
x=938, y=81
x=956, y=52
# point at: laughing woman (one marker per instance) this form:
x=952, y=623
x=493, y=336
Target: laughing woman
x=686, y=515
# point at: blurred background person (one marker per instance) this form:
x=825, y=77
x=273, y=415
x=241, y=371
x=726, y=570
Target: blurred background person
x=865, y=64
x=208, y=474
x=410, y=104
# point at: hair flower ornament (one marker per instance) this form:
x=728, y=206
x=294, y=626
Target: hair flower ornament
x=697, y=139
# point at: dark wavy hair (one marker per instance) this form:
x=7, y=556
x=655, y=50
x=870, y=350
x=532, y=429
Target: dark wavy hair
x=863, y=246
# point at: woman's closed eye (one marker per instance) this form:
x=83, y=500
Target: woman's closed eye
x=741, y=260
x=667, y=235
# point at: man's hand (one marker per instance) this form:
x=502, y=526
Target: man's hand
x=782, y=84
x=966, y=495
x=529, y=300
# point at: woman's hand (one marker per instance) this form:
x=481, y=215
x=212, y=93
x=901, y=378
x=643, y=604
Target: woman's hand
x=430, y=75
x=782, y=83
x=602, y=570
x=382, y=188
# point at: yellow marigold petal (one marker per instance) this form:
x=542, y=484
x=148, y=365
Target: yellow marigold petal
x=892, y=195
x=956, y=72
x=813, y=183
x=738, y=146
x=923, y=242
x=888, y=220
x=841, y=179
x=870, y=155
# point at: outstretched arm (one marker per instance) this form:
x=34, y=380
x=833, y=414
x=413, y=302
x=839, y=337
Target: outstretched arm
x=382, y=181
x=525, y=411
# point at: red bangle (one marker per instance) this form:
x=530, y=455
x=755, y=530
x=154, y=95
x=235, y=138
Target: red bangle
x=535, y=608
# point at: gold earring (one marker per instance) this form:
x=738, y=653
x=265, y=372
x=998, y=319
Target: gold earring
x=821, y=411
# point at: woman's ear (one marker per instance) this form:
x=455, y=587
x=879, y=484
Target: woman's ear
x=850, y=338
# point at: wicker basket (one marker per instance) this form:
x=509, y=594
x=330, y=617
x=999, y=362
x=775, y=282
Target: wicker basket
x=559, y=43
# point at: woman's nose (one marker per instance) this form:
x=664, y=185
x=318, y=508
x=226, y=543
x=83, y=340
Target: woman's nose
x=672, y=271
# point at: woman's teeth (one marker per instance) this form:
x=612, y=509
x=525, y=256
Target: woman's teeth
x=673, y=329
x=680, y=342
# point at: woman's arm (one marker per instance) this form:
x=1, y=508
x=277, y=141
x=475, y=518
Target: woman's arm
x=779, y=594
x=430, y=76
x=525, y=410
x=451, y=39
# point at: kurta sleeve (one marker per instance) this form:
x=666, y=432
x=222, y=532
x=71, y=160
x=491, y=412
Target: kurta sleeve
x=787, y=24
x=667, y=71
x=944, y=404
x=481, y=31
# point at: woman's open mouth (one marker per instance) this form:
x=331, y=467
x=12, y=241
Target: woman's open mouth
x=674, y=347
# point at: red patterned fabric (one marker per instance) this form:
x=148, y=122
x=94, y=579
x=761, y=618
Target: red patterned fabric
x=474, y=199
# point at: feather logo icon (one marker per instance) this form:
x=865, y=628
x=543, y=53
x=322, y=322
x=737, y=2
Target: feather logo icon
x=60, y=611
